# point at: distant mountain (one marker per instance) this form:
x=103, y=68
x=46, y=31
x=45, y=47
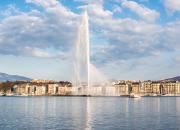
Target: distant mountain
x=177, y=78
x=7, y=77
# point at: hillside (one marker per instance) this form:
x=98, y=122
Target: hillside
x=6, y=77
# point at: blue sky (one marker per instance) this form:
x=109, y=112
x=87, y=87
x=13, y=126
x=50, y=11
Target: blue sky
x=130, y=39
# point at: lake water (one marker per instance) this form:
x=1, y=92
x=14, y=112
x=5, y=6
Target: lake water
x=96, y=113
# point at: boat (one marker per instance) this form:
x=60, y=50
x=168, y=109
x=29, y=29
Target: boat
x=9, y=94
x=132, y=95
x=19, y=95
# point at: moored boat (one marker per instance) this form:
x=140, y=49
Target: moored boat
x=132, y=95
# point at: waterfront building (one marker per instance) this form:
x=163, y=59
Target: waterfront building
x=8, y=91
x=177, y=87
x=52, y=89
x=21, y=89
x=122, y=88
x=171, y=87
x=61, y=90
x=111, y=91
x=40, y=90
x=68, y=90
x=147, y=87
x=42, y=81
x=135, y=87
x=156, y=87
x=117, y=89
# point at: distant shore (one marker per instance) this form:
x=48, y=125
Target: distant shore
x=64, y=88
x=14, y=95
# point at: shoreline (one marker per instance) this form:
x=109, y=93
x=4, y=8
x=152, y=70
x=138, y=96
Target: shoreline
x=88, y=96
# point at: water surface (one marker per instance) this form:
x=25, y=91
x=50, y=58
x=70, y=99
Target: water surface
x=97, y=113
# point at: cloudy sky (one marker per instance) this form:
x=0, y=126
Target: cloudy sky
x=130, y=39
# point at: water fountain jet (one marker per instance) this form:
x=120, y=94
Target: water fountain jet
x=86, y=74
x=82, y=55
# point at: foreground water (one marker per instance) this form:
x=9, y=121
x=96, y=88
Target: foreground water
x=108, y=113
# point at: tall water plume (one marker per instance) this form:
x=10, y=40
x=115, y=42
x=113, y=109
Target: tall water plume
x=86, y=74
x=82, y=54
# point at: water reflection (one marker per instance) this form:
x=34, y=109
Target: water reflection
x=89, y=113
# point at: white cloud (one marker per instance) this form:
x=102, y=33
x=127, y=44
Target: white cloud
x=90, y=1
x=172, y=5
x=37, y=52
x=98, y=11
x=44, y=3
x=125, y=38
x=124, y=46
x=55, y=27
x=41, y=53
x=10, y=10
x=53, y=7
x=142, y=11
x=117, y=9
x=170, y=35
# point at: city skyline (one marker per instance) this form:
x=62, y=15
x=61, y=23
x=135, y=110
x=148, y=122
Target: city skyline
x=129, y=39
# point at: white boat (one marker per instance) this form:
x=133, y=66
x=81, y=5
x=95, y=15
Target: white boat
x=9, y=94
x=132, y=95
x=20, y=95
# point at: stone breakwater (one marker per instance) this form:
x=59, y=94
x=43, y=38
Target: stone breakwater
x=64, y=88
